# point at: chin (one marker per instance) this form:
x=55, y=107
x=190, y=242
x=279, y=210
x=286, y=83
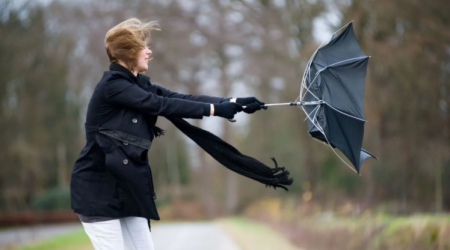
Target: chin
x=142, y=69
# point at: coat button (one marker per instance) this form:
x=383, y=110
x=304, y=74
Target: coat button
x=125, y=161
x=125, y=143
x=134, y=120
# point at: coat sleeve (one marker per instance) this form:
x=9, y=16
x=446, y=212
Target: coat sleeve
x=197, y=98
x=123, y=93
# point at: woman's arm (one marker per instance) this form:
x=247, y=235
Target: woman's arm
x=252, y=104
x=124, y=93
x=198, y=98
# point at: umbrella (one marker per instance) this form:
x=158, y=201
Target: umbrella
x=332, y=95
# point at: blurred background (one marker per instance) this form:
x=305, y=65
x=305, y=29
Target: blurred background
x=52, y=55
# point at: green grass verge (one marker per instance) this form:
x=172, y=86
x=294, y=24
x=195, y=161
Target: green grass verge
x=252, y=235
x=72, y=241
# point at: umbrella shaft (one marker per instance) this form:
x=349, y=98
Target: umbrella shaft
x=278, y=104
x=295, y=103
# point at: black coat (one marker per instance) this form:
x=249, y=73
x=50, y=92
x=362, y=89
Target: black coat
x=112, y=177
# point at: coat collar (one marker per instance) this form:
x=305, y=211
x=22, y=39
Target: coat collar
x=142, y=81
x=122, y=69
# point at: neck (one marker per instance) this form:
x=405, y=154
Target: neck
x=135, y=72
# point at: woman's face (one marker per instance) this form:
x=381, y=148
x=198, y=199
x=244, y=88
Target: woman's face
x=142, y=59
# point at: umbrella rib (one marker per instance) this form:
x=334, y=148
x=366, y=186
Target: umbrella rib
x=315, y=115
x=354, y=58
x=312, y=121
x=307, y=70
x=351, y=116
x=307, y=89
x=312, y=111
x=333, y=64
x=303, y=84
x=308, y=75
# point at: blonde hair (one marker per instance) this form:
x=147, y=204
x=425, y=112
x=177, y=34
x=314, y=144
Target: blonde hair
x=125, y=40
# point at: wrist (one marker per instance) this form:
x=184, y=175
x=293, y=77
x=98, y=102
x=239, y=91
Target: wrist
x=227, y=99
x=206, y=109
x=212, y=109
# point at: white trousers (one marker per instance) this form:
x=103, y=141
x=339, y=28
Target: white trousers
x=131, y=233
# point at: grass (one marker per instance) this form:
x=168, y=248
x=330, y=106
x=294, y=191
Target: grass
x=252, y=235
x=73, y=241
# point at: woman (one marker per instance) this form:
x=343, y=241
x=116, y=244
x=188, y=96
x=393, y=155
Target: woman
x=111, y=183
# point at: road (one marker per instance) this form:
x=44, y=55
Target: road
x=166, y=236
x=191, y=236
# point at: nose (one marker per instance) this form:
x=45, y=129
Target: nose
x=149, y=52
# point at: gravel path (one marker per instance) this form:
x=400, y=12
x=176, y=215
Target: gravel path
x=191, y=236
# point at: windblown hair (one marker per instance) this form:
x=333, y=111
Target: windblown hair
x=125, y=40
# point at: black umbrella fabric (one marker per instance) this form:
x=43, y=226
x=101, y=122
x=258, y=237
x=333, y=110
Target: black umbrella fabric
x=332, y=95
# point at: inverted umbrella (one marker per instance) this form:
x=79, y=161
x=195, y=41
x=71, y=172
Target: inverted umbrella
x=332, y=95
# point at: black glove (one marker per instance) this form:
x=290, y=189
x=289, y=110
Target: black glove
x=252, y=104
x=227, y=109
x=247, y=100
x=252, y=108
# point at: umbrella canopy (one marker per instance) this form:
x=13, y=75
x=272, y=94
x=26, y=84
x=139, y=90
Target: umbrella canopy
x=332, y=95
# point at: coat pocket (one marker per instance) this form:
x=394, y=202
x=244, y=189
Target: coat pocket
x=132, y=148
x=123, y=160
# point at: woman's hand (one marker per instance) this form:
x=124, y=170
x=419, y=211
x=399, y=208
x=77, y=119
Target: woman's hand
x=226, y=109
x=252, y=104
